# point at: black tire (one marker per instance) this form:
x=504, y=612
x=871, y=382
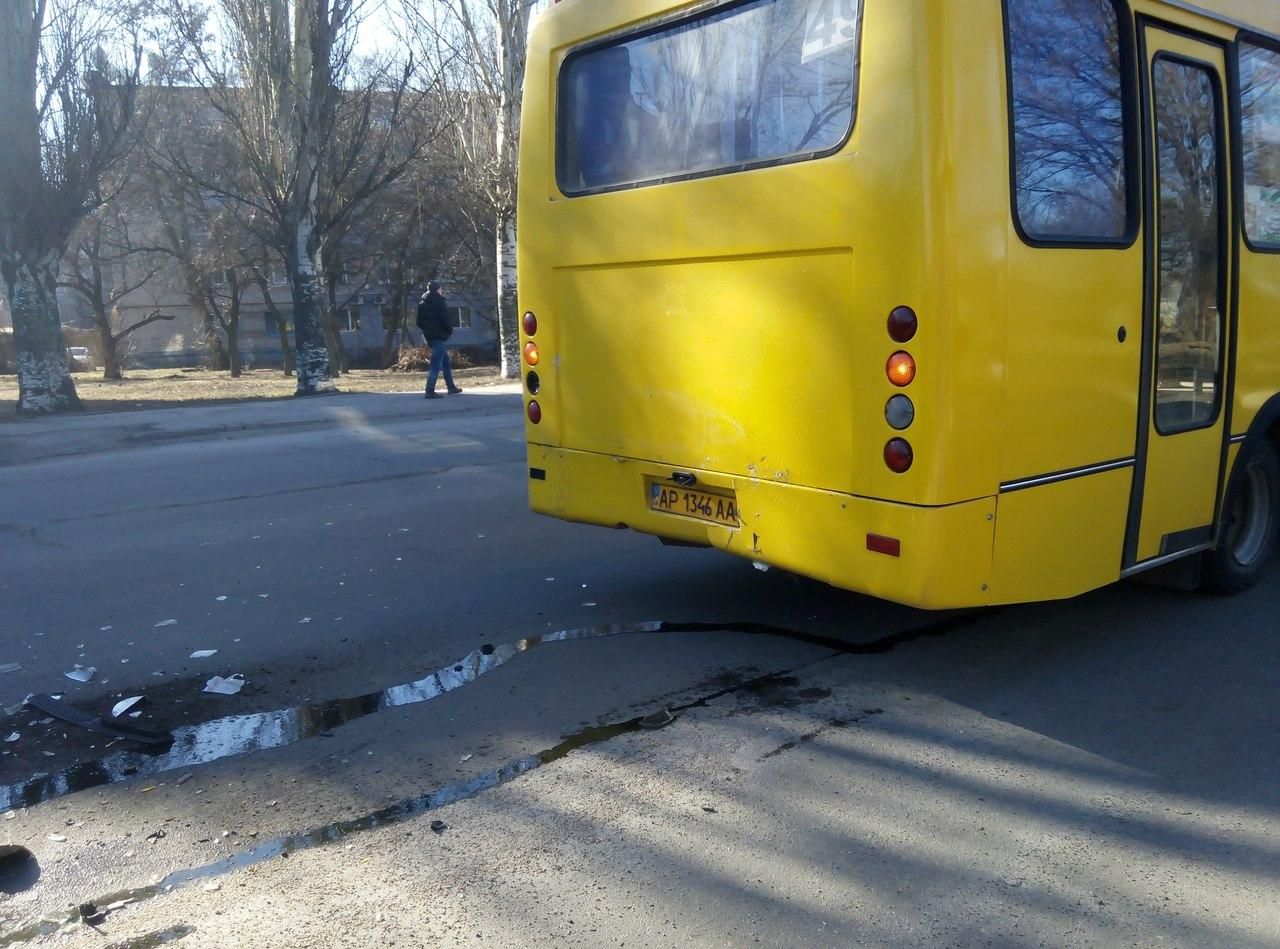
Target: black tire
x=1250, y=522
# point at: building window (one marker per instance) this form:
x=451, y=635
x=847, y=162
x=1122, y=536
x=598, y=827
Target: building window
x=460, y=317
x=1260, y=121
x=739, y=85
x=1070, y=150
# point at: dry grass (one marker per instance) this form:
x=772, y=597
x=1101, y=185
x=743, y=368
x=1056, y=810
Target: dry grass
x=173, y=388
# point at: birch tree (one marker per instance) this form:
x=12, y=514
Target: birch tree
x=65, y=109
x=488, y=39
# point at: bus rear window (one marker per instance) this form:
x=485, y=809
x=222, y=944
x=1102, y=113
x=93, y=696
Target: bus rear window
x=743, y=85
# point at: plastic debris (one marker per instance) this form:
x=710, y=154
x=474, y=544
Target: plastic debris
x=10, y=667
x=709, y=809
x=90, y=915
x=58, y=838
x=184, y=779
x=231, y=685
x=157, y=835
x=204, y=654
x=212, y=887
x=304, y=621
x=10, y=815
x=222, y=599
x=122, y=708
x=10, y=739
x=657, y=720
x=81, y=674
x=590, y=604
x=167, y=622
x=439, y=826
x=762, y=567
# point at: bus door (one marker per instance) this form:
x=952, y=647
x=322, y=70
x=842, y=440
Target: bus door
x=1189, y=259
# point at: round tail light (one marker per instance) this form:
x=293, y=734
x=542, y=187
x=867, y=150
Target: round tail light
x=535, y=412
x=899, y=456
x=903, y=324
x=531, y=325
x=901, y=369
x=531, y=354
x=534, y=383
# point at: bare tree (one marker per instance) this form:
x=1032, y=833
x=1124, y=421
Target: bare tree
x=105, y=266
x=285, y=88
x=488, y=40
x=66, y=110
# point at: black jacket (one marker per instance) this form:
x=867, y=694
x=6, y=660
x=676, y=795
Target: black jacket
x=433, y=318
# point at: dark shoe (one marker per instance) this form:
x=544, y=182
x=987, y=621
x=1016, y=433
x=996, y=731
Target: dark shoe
x=456, y=390
x=434, y=395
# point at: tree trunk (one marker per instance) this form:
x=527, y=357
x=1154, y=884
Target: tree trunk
x=44, y=381
x=394, y=322
x=233, y=345
x=216, y=356
x=340, y=360
x=508, y=321
x=112, y=369
x=214, y=352
x=286, y=349
x=312, y=354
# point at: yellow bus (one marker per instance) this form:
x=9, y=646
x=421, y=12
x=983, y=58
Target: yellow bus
x=950, y=303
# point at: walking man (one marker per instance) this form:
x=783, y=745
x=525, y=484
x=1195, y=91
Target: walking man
x=433, y=320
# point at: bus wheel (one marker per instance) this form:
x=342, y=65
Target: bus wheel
x=1250, y=522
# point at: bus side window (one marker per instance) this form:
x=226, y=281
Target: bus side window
x=1069, y=145
x=1260, y=120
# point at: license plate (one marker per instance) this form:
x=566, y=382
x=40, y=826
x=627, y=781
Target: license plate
x=722, y=509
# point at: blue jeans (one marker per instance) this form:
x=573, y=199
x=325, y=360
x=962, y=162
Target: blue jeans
x=440, y=363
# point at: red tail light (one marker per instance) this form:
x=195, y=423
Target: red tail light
x=903, y=324
x=899, y=456
x=535, y=413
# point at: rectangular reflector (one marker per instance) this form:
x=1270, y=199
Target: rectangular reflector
x=889, y=546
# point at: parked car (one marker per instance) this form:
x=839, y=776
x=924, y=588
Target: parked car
x=79, y=359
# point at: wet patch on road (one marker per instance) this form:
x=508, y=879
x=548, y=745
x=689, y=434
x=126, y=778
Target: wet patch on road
x=207, y=742
x=282, y=847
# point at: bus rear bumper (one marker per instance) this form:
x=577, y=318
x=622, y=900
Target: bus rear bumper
x=945, y=557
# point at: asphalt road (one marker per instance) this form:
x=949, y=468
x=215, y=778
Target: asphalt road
x=835, y=771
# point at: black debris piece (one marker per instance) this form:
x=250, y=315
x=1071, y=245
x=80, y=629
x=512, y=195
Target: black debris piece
x=101, y=725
